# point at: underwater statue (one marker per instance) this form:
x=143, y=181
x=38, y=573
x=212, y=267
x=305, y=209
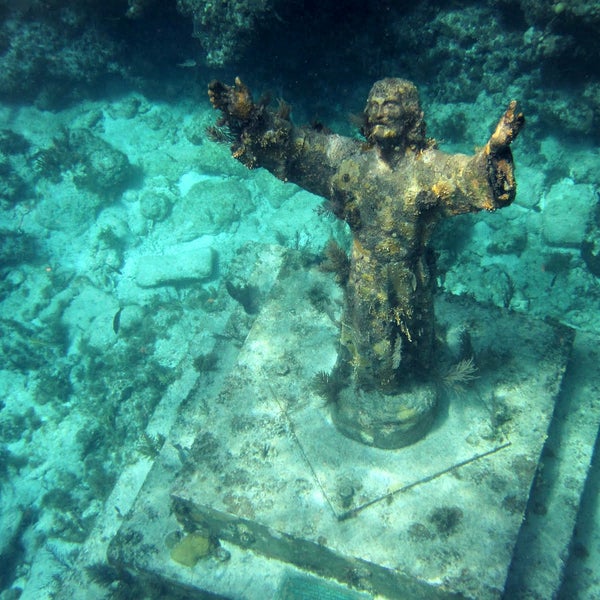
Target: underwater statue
x=391, y=189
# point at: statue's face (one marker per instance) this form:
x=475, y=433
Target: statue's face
x=393, y=113
x=384, y=117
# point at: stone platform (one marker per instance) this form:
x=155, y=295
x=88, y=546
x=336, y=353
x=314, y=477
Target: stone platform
x=260, y=470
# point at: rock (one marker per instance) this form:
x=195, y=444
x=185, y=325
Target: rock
x=127, y=108
x=529, y=186
x=88, y=315
x=65, y=207
x=156, y=201
x=104, y=168
x=16, y=248
x=132, y=317
x=210, y=206
x=92, y=163
x=183, y=264
x=566, y=213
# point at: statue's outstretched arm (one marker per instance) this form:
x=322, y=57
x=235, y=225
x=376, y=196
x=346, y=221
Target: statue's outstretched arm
x=264, y=138
x=485, y=181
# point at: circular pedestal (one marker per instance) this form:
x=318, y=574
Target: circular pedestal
x=386, y=421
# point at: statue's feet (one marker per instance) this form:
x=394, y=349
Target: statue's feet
x=386, y=421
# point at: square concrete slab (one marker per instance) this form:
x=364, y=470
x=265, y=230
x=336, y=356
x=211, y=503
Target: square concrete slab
x=262, y=471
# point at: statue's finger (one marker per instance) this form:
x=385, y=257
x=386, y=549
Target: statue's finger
x=218, y=94
x=508, y=128
x=514, y=120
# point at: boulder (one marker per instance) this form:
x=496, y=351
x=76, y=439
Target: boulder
x=180, y=266
x=567, y=211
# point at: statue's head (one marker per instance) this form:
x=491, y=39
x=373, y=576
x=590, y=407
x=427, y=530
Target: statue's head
x=393, y=115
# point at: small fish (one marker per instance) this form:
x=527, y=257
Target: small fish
x=190, y=63
x=117, y=320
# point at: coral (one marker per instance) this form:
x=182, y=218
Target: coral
x=51, y=53
x=94, y=164
x=190, y=549
x=459, y=375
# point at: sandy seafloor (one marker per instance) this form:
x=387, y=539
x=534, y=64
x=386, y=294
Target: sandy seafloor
x=78, y=383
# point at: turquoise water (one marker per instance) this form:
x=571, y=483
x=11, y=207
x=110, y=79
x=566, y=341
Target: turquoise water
x=128, y=237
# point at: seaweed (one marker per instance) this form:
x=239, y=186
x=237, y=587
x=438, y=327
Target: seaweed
x=150, y=445
x=446, y=520
x=246, y=294
x=328, y=385
x=205, y=363
x=336, y=261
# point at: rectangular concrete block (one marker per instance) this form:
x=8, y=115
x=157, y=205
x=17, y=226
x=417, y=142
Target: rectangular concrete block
x=184, y=264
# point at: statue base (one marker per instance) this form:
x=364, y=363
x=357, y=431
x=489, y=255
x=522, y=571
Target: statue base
x=289, y=503
x=384, y=420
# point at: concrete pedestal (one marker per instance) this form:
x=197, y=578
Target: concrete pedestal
x=389, y=421
x=262, y=470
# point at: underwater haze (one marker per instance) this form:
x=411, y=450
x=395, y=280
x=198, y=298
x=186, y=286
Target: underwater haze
x=138, y=257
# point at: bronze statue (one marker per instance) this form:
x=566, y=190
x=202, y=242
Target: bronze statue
x=391, y=189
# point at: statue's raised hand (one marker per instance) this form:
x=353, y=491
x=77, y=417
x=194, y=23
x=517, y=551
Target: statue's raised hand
x=508, y=128
x=234, y=101
x=498, y=156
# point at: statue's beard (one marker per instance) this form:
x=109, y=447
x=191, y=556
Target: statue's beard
x=382, y=134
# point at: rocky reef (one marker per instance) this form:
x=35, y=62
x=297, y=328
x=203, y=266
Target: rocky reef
x=52, y=52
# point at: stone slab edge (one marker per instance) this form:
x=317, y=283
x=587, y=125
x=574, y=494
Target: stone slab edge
x=543, y=545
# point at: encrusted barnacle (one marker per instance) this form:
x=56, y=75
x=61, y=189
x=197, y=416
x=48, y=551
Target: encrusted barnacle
x=244, y=535
x=443, y=189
